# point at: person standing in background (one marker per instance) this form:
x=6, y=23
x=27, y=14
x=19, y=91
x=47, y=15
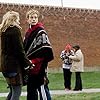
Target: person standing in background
x=13, y=58
x=67, y=63
x=77, y=66
x=38, y=49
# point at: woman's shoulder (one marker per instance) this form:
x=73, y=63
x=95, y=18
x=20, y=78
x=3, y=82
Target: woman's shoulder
x=12, y=28
x=79, y=51
x=13, y=31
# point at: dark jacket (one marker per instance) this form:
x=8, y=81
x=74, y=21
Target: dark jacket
x=37, y=45
x=38, y=49
x=13, y=57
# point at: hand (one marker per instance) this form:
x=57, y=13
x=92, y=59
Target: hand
x=32, y=66
x=27, y=69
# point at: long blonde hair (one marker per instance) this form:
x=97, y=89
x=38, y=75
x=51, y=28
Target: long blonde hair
x=10, y=19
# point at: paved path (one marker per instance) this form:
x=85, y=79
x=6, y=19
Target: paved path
x=61, y=92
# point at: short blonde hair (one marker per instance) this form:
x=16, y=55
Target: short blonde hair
x=31, y=12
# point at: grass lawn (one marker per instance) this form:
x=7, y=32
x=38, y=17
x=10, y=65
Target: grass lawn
x=81, y=96
x=90, y=80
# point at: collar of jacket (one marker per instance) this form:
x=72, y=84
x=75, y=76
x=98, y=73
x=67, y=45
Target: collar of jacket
x=34, y=27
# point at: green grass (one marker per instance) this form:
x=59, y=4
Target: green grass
x=81, y=96
x=90, y=80
x=21, y=98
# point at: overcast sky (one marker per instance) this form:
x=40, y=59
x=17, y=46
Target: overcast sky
x=89, y=4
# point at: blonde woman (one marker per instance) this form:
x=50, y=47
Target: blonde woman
x=13, y=58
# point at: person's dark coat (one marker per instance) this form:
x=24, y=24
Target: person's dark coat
x=13, y=58
x=38, y=49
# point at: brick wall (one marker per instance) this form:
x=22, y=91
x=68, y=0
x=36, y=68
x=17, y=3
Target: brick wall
x=66, y=25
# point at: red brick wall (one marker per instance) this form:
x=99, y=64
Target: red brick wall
x=66, y=25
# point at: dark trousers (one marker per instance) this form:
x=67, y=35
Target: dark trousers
x=78, y=83
x=34, y=83
x=67, y=78
x=44, y=92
